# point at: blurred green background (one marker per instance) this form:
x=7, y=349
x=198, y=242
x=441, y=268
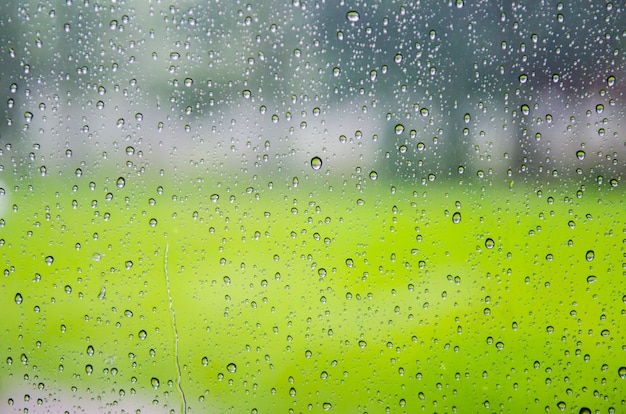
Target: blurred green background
x=348, y=207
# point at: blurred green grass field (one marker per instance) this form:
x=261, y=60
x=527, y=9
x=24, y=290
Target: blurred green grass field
x=324, y=296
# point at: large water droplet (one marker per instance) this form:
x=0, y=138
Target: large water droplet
x=489, y=243
x=456, y=217
x=155, y=383
x=18, y=298
x=232, y=368
x=353, y=16
x=316, y=163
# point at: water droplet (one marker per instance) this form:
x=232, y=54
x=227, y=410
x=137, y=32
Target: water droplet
x=591, y=279
x=143, y=334
x=130, y=150
x=89, y=369
x=373, y=175
x=90, y=350
x=120, y=183
x=232, y=368
x=580, y=154
x=215, y=197
x=205, y=361
x=292, y=392
x=153, y=222
x=316, y=163
x=128, y=313
x=622, y=372
x=353, y=16
x=590, y=255
x=49, y=260
x=18, y=298
x=489, y=243
x=362, y=344
x=398, y=58
x=456, y=217
x=610, y=81
x=399, y=129
x=327, y=406
x=525, y=109
x=155, y=383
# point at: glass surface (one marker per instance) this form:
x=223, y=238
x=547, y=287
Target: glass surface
x=264, y=207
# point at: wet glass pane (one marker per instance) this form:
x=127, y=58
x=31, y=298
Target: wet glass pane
x=312, y=206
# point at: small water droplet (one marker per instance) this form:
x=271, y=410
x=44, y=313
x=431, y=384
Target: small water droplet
x=591, y=279
x=205, y=361
x=590, y=255
x=143, y=334
x=399, y=129
x=18, y=298
x=489, y=243
x=121, y=182
x=89, y=369
x=292, y=392
x=580, y=154
x=373, y=175
x=622, y=372
x=153, y=222
x=155, y=383
x=232, y=368
x=316, y=163
x=49, y=260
